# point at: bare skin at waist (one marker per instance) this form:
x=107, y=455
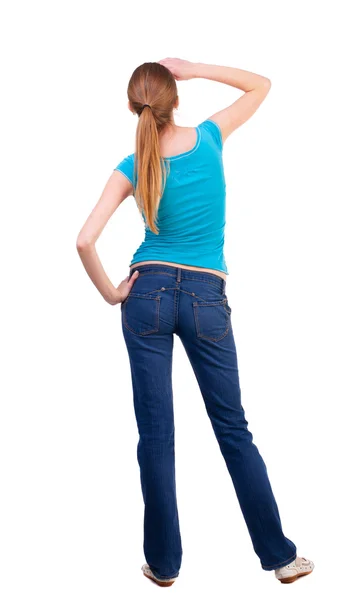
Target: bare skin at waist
x=173, y=264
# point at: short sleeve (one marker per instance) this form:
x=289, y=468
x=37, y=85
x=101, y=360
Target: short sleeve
x=214, y=131
x=126, y=167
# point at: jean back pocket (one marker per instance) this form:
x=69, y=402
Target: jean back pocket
x=141, y=313
x=212, y=319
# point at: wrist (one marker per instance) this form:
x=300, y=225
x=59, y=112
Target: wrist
x=198, y=69
x=201, y=69
x=114, y=297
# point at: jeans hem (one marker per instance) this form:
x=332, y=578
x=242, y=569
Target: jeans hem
x=279, y=565
x=162, y=578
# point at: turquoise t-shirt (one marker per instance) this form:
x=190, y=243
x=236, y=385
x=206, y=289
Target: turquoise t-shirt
x=191, y=215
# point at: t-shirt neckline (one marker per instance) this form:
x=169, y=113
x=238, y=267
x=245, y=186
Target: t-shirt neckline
x=187, y=152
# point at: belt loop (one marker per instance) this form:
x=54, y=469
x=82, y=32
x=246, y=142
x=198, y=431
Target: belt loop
x=223, y=286
x=178, y=274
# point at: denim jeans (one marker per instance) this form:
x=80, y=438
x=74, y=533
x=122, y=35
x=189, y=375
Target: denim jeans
x=164, y=301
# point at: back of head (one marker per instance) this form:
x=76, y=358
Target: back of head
x=153, y=84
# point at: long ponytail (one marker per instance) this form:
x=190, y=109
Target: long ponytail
x=150, y=168
x=151, y=84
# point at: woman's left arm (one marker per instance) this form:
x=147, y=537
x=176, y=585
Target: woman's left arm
x=117, y=188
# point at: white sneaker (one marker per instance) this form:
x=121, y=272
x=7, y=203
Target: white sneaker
x=297, y=568
x=162, y=582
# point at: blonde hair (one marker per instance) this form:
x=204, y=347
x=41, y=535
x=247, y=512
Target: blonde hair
x=153, y=84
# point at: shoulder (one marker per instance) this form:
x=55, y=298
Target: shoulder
x=127, y=160
x=126, y=166
x=212, y=131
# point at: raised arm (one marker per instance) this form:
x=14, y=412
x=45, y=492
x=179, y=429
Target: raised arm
x=256, y=87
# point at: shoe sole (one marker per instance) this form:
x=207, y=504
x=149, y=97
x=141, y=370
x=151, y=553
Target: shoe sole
x=159, y=582
x=294, y=578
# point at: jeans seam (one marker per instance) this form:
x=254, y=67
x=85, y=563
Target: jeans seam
x=183, y=278
x=285, y=562
x=176, y=305
x=155, y=273
x=163, y=578
x=145, y=295
x=221, y=302
x=281, y=564
x=253, y=496
x=194, y=294
x=203, y=279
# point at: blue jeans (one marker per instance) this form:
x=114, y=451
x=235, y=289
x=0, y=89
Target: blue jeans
x=167, y=300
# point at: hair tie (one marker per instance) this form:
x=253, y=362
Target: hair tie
x=144, y=106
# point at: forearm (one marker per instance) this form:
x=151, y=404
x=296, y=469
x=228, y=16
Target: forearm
x=243, y=80
x=97, y=274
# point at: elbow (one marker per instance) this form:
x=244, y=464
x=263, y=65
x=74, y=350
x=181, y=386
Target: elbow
x=264, y=87
x=82, y=243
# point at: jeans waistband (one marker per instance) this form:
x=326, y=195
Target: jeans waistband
x=179, y=273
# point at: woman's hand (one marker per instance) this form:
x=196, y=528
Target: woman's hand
x=124, y=288
x=180, y=69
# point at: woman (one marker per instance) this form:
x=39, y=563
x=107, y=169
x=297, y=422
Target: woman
x=176, y=285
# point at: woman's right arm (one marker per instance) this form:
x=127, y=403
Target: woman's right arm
x=256, y=87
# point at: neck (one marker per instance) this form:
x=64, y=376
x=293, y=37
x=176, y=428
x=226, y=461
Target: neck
x=169, y=129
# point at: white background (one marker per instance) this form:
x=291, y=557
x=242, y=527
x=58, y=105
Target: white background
x=71, y=507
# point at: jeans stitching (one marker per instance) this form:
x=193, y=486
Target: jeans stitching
x=228, y=310
x=184, y=278
x=281, y=564
x=260, y=520
x=162, y=289
x=176, y=306
x=164, y=578
x=216, y=284
x=252, y=493
x=155, y=273
x=145, y=295
x=197, y=296
x=221, y=302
